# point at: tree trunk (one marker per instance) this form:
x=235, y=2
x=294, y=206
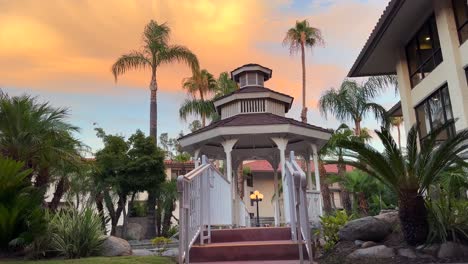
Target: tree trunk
x=100, y=207
x=203, y=115
x=363, y=205
x=240, y=181
x=126, y=214
x=413, y=217
x=166, y=222
x=345, y=198
x=357, y=130
x=399, y=137
x=151, y=214
x=304, y=108
x=120, y=208
x=327, y=206
x=154, y=108
x=60, y=189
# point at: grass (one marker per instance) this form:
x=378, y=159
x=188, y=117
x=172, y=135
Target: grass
x=100, y=260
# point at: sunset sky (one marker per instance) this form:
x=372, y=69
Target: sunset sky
x=62, y=52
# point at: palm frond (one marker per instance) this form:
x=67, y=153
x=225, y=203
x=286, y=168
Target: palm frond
x=179, y=54
x=131, y=61
x=196, y=107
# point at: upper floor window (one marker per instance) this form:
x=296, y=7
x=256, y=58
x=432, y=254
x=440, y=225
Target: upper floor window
x=251, y=78
x=434, y=112
x=423, y=51
x=460, y=8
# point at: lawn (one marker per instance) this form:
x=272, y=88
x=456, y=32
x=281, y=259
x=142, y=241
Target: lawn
x=100, y=260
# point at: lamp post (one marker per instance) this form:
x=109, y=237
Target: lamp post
x=257, y=197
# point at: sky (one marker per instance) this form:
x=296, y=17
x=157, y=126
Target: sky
x=61, y=51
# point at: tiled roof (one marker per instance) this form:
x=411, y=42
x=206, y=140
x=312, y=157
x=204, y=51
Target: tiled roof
x=265, y=166
x=259, y=119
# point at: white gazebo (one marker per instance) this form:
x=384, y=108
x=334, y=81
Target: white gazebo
x=252, y=126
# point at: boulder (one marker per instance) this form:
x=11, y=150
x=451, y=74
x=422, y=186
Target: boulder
x=368, y=244
x=452, y=250
x=373, y=252
x=407, y=253
x=429, y=250
x=390, y=216
x=358, y=243
x=368, y=229
x=134, y=231
x=114, y=246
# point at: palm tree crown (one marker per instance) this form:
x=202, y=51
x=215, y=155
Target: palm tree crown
x=155, y=52
x=299, y=37
x=352, y=102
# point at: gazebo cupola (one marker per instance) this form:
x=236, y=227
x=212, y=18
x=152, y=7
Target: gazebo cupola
x=252, y=97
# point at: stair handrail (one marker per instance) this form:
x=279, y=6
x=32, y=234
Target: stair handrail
x=194, y=206
x=299, y=197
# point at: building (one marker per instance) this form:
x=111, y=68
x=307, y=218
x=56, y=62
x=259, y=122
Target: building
x=424, y=43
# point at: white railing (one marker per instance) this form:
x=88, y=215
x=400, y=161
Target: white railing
x=205, y=200
x=313, y=206
x=297, y=196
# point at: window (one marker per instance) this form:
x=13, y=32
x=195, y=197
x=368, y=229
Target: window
x=251, y=78
x=253, y=106
x=434, y=112
x=249, y=180
x=460, y=8
x=423, y=52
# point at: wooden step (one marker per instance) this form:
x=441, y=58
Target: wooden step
x=246, y=251
x=251, y=234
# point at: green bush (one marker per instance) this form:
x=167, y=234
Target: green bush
x=448, y=219
x=76, y=234
x=139, y=209
x=21, y=213
x=331, y=224
x=161, y=244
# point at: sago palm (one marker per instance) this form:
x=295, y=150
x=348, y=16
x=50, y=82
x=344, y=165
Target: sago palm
x=298, y=38
x=352, y=102
x=156, y=51
x=408, y=173
x=200, y=85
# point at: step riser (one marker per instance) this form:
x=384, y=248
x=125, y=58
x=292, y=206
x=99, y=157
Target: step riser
x=250, y=234
x=246, y=253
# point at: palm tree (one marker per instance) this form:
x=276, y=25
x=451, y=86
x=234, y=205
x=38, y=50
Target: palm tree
x=353, y=102
x=225, y=85
x=202, y=83
x=396, y=122
x=299, y=37
x=156, y=51
x=409, y=173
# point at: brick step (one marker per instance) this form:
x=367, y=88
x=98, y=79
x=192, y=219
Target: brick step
x=246, y=251
x=251, y=234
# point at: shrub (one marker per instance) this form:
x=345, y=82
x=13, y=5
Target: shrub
x=21, y=214
x=331, y=224
x=161, y=244
x=76, y=234
x=448, y=219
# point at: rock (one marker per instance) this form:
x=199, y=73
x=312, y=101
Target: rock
x=452, y=250
x=368, y=244
x=358, y=243
x=429, y=250
x=407, y=252
x=114, y=246
x=134, y=231
x=373, y=252
x=367, y=229
x=390, y=216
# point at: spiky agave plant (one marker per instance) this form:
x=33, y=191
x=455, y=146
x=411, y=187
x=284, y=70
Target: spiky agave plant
x=409, y=174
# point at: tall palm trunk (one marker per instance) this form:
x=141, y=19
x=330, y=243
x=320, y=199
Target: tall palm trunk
x=357, y=124
x=203, y=115
x=327, y=206
x=60, y=189
x=363, y=204
x=413, y=217
x=154, y=107
x=345, y=198
x=399, y=136
x=304, y=108
x=151, y=214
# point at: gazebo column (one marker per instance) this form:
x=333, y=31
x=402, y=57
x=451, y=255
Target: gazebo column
x=310, y=184
x=281, y=143
x=317, y=174
x=274, y=164
x=228, y=145
x=196, y=156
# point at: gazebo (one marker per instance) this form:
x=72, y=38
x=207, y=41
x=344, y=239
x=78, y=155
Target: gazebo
x=253, y=125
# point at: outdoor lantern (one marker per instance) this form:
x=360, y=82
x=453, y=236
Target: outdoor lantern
x=257, y=197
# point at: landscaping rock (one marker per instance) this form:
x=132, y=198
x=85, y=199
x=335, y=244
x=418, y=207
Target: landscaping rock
x=358, y=243
x=368, y=244
x=390, y=217
x=407, y=253
x=429, y=250
x=114, y=246
x=452, y=250
x=373, y=252
x=367, y=229
x=134, y=231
